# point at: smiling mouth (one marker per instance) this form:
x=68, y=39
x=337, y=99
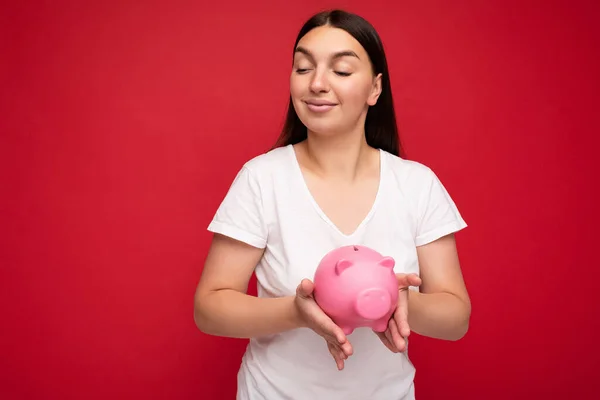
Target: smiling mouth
x=319, y=106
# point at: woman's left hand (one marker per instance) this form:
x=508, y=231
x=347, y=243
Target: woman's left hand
x=394, y=337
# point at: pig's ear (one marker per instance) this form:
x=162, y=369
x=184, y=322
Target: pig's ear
x=342, y=265
x=387, y=262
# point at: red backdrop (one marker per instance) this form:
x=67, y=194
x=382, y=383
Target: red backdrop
x=124, y=123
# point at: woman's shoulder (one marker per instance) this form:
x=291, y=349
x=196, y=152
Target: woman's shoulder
x=408, y=171
x=272, y=160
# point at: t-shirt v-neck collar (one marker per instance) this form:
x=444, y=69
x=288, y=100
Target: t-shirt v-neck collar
x=299, y=176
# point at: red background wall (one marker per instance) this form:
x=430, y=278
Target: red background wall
x=123, y=124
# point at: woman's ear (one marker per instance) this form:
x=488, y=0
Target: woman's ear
x=375, y=91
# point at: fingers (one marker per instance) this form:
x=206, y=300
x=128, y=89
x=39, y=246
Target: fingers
x=406, y=280
x=402, y=324
x=386, y=339
x=331, y=339
x=338, y=355
x=344, y=345
x=305, y=288
x=347, y=348
x=339, y=351
x=401, y=316
x=329, y=329
x=337, y=343
x=383, y=336
x=396, y=337
x=320, y=322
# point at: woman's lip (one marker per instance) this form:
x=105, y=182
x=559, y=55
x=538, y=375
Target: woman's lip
x=319, y=108
x=319, y=105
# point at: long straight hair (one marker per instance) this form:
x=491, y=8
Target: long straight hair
x=381, y=129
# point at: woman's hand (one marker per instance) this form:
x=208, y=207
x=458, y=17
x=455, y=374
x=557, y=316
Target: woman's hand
x=394, y=337
x=314, y=318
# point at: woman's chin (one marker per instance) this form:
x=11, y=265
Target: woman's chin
x=323, y=128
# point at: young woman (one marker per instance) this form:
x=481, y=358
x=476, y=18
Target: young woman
x=337, y=177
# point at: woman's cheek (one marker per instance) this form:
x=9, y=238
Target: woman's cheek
x=355, y=95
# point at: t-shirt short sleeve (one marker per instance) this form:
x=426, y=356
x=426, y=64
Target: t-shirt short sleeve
x=240, y=215
x=438, y=215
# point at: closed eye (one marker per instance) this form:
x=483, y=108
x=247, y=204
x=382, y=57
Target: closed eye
x=339, y=73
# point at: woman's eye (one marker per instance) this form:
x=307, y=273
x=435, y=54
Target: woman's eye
x=305, y=70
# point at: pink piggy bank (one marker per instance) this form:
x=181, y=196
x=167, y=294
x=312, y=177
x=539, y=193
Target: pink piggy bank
x=357, y=287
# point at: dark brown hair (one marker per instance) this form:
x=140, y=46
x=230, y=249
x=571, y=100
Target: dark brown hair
x=381, y=130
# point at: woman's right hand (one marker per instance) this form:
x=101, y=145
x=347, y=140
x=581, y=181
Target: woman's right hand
x=313, y=317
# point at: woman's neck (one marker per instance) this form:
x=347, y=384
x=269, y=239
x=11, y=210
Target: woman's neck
x=345, y=157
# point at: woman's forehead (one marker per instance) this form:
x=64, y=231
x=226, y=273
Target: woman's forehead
x=330, y=42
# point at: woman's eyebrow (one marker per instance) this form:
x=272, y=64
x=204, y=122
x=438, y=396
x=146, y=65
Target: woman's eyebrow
x=339, y=54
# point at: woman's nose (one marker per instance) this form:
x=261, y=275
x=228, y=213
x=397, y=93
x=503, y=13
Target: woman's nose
x=319, y=82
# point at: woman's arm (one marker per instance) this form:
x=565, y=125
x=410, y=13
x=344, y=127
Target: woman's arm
x=221, y=305
x=442, y=308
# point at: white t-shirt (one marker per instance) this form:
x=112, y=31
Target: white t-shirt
x=269, y=206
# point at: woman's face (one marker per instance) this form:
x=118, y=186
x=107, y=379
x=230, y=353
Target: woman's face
x=332, y=81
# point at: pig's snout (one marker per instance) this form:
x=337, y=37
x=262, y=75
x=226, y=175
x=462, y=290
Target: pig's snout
x=373, y=303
